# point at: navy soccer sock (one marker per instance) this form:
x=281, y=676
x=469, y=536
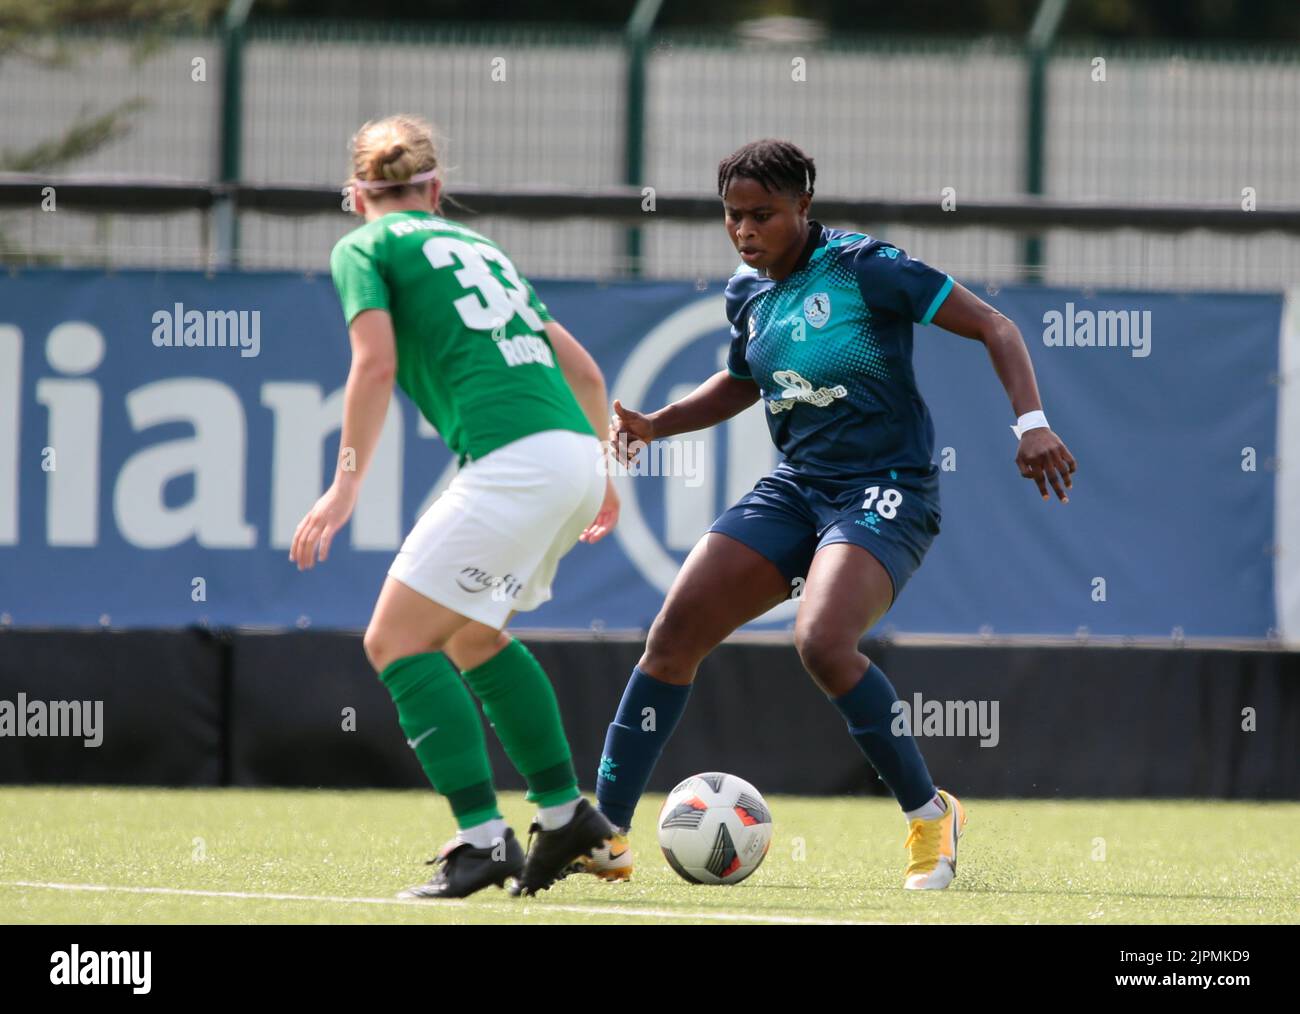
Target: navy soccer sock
x=646, y=717
x=869, y=710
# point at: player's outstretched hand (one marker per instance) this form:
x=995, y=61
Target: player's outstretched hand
x=1044, y=458
x=606, y=519
x=629, y=431
x=317, y=529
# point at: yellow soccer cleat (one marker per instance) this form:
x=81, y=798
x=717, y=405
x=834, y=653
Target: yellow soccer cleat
x=611, y=861
x=932, y=848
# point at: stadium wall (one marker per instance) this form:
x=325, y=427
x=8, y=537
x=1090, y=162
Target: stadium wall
x=188, y=708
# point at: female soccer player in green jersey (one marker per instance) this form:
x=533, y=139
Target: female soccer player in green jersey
x=442, y=310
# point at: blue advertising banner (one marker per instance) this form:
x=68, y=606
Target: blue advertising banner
x=144, y=483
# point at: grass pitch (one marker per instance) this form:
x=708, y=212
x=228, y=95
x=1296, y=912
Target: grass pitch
x=72, y=855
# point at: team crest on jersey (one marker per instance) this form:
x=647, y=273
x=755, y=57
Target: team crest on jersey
x=817, y=309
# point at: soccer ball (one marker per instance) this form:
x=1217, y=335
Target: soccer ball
x=714, y=828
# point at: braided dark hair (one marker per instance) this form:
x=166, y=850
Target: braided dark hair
x=779, y=166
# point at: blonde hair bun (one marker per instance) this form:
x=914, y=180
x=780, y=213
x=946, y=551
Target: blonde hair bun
x=393, y=149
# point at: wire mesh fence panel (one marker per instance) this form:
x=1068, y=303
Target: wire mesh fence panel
x=290, y=243
x=72, y=238
x=512, y=108
x=515, y=108
x=1195, y=260
x=129, y=105
x=564, y=248
x=881, y=121
x=1195, y=125
x=596, y=248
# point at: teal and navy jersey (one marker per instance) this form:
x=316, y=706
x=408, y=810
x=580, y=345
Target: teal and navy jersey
x=830, y=348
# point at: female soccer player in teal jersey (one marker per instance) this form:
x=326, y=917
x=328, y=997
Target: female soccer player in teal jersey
x=821, y=323
x=442, y=310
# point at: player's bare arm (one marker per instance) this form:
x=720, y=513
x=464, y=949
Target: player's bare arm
x=588, y=386
x=716, y=400
x=365, y=406
x=1042, y=455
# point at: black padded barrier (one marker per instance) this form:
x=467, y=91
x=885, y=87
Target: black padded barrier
x=160, y=695
x=305, y=709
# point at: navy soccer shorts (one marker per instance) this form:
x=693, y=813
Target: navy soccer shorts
x=786, y=518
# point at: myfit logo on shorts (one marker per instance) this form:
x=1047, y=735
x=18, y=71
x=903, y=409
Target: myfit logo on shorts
x=475, y=579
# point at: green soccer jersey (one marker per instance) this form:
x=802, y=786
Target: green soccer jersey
x=471, y=350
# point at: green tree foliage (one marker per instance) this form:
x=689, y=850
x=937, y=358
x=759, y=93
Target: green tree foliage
x=52, y=34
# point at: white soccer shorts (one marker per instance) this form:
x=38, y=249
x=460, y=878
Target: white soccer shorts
x=490, y=544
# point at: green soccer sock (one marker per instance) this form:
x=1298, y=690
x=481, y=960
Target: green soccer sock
x=443, y=727
x=520, y=703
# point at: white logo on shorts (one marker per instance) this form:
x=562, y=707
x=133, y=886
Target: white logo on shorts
x=502, y=587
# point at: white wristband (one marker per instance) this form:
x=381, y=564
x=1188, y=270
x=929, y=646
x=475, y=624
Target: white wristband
x=1029, y=421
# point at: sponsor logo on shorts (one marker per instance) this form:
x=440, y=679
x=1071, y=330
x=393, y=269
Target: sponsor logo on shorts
x=479, y=580
x=868, y=520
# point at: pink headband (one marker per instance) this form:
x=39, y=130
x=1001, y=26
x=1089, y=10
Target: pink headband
x=385, y=184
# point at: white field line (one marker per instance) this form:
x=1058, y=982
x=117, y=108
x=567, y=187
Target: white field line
x=519, y=908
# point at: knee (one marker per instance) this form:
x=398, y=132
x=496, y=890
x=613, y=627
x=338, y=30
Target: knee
x=668, y=654
x=832, y=660
x=383, y=647
x=475, y=644
x=377, y=648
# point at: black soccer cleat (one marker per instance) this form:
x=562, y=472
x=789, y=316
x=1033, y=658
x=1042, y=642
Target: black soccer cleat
x=551, y=852
x=466, y=869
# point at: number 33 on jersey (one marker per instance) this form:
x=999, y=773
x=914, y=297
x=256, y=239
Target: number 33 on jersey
x=472, y=351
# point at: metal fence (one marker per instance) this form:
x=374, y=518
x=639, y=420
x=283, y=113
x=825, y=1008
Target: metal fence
x=886, y=119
